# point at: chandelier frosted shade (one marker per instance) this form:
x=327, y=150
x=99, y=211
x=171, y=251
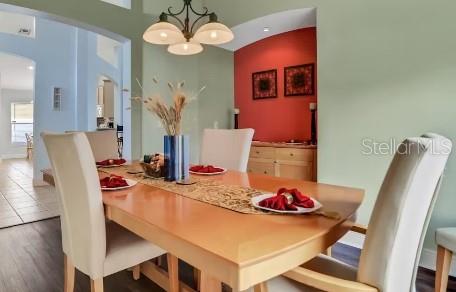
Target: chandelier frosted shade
x=214, y=33
x=163, y=33
x=185, y=48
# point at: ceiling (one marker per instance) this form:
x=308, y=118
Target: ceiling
x=13, y=22
x=15, y=72
x=253, y=30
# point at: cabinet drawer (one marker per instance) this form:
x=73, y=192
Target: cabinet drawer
x=262, y=152
x=301, y=172
x=295, y=154
x=261, y=167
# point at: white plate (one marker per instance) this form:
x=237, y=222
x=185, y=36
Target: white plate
x=256, y=201
x=212, y=173
x=130, y=182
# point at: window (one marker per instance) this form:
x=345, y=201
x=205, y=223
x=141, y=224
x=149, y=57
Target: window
x=21, y=121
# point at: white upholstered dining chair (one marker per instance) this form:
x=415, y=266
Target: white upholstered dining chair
x=227, y=148
x=393, y=243
x=104, y=144
x=90, y=244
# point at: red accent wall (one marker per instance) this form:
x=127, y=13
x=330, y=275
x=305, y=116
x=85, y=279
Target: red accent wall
x=282, y=118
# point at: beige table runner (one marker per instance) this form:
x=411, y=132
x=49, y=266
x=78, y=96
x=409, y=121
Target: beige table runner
x=231, y=197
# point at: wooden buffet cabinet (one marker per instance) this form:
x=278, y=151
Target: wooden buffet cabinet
x=283, y=160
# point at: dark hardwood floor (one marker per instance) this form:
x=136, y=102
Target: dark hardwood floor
x=31, y=261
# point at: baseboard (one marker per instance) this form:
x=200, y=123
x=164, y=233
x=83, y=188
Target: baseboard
x=13, y=156
x=427, y=260
x=39, y=183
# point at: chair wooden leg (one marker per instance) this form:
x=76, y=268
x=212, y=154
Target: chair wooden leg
x=262, y=287
x=209, y=283
x=442, y=269
x=173, y=272
x=96, y=285
x=69, y=270
x=136, y=272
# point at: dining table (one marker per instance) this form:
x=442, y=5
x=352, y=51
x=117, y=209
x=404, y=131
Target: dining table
x=238, y=249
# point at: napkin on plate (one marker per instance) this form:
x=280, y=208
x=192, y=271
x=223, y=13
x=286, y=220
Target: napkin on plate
x=113, y=181
x=206, y=169
x=280, y=201
x=108, y=162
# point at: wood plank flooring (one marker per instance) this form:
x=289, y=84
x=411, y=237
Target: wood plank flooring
x=31, y=260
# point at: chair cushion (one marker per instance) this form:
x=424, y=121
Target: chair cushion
x=125, y=249
x=446, y=237
x=322, y=264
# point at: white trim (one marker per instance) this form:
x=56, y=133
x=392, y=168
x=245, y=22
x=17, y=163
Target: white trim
x=39, y=183
x=13, y=156
x=427, y=260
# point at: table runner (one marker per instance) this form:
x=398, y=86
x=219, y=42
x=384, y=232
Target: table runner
x=205, y=190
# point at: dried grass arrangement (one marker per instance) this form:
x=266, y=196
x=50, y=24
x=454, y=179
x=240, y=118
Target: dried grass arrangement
x=170, y=116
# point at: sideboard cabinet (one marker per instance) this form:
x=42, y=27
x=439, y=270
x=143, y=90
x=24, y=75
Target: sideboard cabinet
x=281, y=160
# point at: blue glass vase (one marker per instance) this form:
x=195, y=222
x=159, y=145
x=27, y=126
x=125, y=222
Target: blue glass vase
x=177, y=158
x=168, y=152
x=182, y=159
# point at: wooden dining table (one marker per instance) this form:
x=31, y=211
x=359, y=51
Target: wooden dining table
x=240, y=250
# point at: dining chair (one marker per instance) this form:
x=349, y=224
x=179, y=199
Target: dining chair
x=227, y=148
x=104, y=144
x=446, y=246
x=95, y=247
x=29, y=145
x=393, y=242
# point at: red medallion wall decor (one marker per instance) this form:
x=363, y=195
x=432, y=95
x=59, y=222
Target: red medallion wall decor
x=264, y=84
x=299, y=80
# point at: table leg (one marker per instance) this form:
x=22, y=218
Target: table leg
x=209, y=283
x=173, y=273
x=262, y=287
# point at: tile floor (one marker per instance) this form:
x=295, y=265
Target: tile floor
x=20, y=201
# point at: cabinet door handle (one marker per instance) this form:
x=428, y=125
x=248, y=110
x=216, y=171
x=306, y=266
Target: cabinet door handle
x=257, y=152
x=291, y=154
x=265, y=172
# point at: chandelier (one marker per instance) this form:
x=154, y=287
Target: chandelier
x=183, y=40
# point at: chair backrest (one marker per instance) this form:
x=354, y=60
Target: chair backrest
x=227, y=148
x=401, y=214
x=29, y=140
x=82, y=218
x=104, y=144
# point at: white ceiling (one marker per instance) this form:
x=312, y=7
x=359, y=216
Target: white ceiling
x=253, y=30
x=14, y=72
x=13, y=22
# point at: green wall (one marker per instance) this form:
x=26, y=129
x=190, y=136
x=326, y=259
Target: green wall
x=213, y=68
x=216, y=71
x=168, y=68
x=386, y=70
